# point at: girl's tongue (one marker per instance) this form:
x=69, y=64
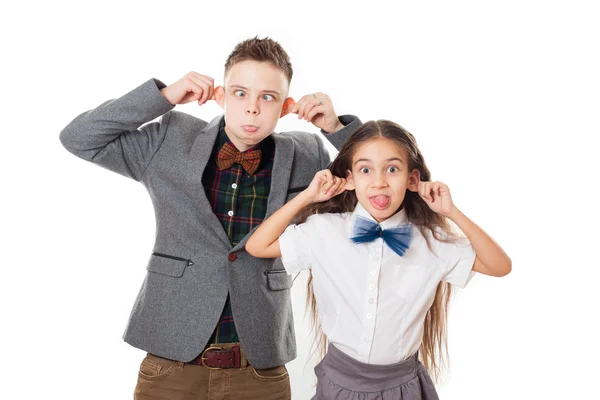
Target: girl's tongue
x=380, y=201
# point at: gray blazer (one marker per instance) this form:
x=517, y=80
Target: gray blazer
x=186, y=285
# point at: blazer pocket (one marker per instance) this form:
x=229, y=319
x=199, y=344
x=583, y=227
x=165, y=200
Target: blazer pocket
x=278, y=279
x=165, y=264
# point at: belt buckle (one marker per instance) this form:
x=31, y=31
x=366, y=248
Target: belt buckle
x=202, y=357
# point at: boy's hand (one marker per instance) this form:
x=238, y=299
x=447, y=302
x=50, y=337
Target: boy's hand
x=324, y=186
x=317, y=108
x=437, y=196
x=191, y=87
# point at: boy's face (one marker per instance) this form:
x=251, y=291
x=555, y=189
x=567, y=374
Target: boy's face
x=253, y=99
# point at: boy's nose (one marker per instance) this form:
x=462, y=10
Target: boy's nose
x=252, y=109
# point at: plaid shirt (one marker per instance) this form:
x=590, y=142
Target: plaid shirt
x=239, y=201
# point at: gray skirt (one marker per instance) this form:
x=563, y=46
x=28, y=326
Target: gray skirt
x=339, y=376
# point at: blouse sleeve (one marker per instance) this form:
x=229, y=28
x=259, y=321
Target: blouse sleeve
x=297, y=245
x=457, y=259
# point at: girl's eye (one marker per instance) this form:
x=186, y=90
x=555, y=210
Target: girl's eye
x=239, y=93
x=268, y=97
x=392, y=169
x=364, y=170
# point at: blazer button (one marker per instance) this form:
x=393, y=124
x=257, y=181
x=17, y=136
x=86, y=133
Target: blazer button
x=232, y=256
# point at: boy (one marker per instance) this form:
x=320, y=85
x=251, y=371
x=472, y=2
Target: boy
x=214, y=320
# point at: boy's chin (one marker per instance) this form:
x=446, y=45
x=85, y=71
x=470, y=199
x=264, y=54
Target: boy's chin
x=253, y=138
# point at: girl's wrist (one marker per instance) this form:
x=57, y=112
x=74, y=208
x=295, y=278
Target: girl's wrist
x=454, y=214
x=304, y=199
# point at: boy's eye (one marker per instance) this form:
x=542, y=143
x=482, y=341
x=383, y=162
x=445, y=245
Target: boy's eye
x=392, y=169
x=364, y=170
x=239, y=93
x=268, y=97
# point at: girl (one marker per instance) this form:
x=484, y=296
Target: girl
x=383, y=257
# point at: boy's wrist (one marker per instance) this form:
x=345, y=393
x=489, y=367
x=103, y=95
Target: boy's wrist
x=338, y=127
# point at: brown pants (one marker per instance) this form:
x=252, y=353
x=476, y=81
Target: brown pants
x=162, y=379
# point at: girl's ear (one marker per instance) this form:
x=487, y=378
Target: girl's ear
x=413, y=180
x=349, y=181
x=287, y=106
x=220, y=96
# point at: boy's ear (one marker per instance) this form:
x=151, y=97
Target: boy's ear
x=413, y=180
x=287, y=107
x=349, y=181
x=220, y=96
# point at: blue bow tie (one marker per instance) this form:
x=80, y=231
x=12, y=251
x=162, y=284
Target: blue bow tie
x=398, y=239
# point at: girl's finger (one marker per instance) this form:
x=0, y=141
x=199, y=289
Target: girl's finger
x=341, y=187
x=427, y=191
x=422, y=189
x=334, y=188
x=328, y=185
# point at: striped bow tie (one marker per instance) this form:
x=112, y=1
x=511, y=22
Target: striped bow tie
x=398, y=239
x=229, y=155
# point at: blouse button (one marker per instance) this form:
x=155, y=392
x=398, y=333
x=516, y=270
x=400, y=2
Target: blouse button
x=234, y=185
x=371, y=301
x=369, y=315
x=230, y=213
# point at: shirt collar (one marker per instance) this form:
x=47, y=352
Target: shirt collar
x=395, y=220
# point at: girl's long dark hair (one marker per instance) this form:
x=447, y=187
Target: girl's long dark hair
x=433, y=350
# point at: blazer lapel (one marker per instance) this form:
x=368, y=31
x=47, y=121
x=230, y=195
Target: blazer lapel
x=280, y=180
x=199, y=155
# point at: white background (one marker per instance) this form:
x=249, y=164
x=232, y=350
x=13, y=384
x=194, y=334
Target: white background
x=503, y=98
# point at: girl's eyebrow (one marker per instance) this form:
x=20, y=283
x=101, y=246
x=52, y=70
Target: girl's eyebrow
x=388, y=160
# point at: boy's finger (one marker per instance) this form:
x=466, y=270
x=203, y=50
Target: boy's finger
x=294, y=108
x=302, y=108
x=314, y=112
x=307, y=110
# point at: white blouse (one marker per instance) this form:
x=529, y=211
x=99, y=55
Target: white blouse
x=372, y=302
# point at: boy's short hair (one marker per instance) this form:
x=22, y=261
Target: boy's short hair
x=260, y=50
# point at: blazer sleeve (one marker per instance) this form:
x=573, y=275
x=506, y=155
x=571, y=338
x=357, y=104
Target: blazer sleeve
x=338, y=138
x=112, y=134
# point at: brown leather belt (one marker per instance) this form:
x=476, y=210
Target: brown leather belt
x=215, y=357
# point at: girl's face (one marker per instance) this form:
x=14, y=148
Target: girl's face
x=380, y=177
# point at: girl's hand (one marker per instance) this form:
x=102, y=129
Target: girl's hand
x=437, y=196
x=324, y=186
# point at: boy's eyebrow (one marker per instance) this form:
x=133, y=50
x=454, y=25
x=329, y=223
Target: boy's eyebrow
x=262, y=91
x=388, y=160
